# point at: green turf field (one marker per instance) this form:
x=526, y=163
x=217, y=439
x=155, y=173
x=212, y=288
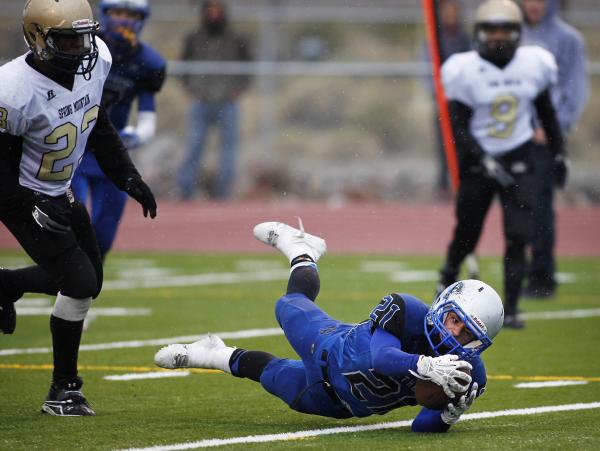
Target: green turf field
x=171, y=295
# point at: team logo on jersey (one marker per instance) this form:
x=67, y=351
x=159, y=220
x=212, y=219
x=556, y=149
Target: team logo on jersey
x=50, y=94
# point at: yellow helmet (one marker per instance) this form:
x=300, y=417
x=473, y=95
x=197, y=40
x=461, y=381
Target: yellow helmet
x=47, y=23
x=494, y=14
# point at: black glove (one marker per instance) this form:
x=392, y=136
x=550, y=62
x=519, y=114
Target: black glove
x=136, y=188
x=494, y=170
x=52, y=213
x=560, y=170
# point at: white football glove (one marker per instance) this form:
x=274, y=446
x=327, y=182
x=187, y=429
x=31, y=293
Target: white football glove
x=494, y=170
x=445, y=371
x=452, y=412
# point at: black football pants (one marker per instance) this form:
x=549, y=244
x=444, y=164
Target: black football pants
x=542, y=265
x=68, y=263
x=475, y=196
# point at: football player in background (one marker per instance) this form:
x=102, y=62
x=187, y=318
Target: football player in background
x=50, y=110
x=356, y=370
x=545, y=28
x=492, y=92
x=138, y=71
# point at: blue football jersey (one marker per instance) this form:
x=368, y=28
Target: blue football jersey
x=144, y=71
x=140, y=76
x=364, y=390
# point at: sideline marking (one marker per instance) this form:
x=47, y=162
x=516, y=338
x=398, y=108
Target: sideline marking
x=254, y=333
x=148, y=375
x=548, y=384
x=350, y=429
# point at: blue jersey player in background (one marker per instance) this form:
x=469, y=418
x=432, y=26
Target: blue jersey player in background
x=138, y=72
x=357, y=370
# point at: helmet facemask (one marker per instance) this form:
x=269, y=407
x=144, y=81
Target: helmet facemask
x=477, y=306
x=497, y=51
x=443, y=342
x=77, y=62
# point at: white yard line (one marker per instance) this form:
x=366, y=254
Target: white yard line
x=250, y=333
x=208, y=443
x=95, y=311
x=549, y=384
x=563, y=314
x=197, y=279
x=253, y=333
x=150, y=375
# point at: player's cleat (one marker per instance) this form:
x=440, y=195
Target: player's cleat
x=513, y=322
x=209, y=353
x=472, y=265
x=540, y=291
x=290, y=241
x=66, y=400
x=8, y=318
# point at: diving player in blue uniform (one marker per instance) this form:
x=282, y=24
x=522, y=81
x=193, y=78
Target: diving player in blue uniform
x=138, y=71
x=356, y=370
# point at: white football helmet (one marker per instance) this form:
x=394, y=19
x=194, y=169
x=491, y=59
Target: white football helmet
x=477, y=305
x=494, y=14
x=44, y=21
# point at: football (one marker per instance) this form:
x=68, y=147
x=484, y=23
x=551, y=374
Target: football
x=431, y=395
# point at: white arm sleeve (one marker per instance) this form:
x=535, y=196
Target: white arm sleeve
x=146, y=126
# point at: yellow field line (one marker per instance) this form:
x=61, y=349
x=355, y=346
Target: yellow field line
x=145, y=369
x=508, y=377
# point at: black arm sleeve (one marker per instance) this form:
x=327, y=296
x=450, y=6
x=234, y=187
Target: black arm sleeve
x=389, y=315
x=110, y=151
x=468, y=149
x=155, y=80
x=12, y=194
x=547, y=116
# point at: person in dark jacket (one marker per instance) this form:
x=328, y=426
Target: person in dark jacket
x=214, y=99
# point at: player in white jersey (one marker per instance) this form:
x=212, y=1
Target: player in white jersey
x=492, y=93
x=49, y=112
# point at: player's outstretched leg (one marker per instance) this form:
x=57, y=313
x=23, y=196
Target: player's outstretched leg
x=209, y=353
x=291, y=242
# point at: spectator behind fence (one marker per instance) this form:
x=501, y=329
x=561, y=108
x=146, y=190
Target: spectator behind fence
x=543, y=27
x=453, y=39
x=214, y=99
